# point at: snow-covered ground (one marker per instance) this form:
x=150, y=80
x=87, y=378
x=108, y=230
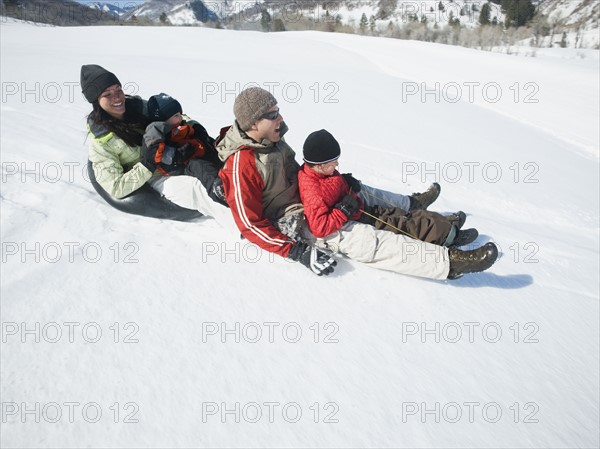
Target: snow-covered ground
x=120, y=331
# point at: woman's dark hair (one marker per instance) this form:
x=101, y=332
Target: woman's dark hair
x=131, y=128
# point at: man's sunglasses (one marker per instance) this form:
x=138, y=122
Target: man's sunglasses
x=272, y=115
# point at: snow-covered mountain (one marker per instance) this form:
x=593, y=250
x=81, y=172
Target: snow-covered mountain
x=178, y=12
x=247, y=13
x=61, y=12
x=372, y=16
x=582, y=14
x=118, y=9
x=568, y=23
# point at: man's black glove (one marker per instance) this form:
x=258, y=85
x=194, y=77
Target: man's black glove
x=148, y=155
x=217, y=192
x=312, y=258
x=349, y=205
x=352, y=182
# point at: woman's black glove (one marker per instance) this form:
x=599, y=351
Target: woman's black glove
x=312, y=258
x=148, y=155
x=349, y=205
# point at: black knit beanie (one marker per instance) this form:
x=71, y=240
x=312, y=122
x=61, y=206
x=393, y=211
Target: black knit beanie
x=162, y=107
x=321, y=147
x=94, y=80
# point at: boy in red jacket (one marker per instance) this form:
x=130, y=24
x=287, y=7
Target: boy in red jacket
x=331, y=199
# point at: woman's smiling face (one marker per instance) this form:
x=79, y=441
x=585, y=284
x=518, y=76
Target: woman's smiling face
x=112, y=100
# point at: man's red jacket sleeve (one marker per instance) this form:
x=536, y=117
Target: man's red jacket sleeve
x=243, y=187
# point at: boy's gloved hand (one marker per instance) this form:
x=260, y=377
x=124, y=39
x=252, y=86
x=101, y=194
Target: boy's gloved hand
x=352, y=182
x=349, y=205
x=312, y=258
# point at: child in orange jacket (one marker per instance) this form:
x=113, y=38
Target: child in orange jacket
x=176, y=145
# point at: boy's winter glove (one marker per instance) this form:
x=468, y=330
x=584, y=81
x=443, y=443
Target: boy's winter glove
x=352, y=182
x=349, y=205
x=186, y=150
x=201, y=133
x=312, y=258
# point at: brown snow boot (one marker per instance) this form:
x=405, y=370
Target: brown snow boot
x=424, y=199
x=464, y=237
x=457, y=218
x=480, y=259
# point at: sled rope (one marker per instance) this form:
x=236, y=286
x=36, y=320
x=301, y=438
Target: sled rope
x=379, y=219
x=387, y=224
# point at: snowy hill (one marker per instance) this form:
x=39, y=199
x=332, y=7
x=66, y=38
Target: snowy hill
x=123, y=331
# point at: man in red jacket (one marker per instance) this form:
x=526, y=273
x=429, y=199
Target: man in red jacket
x=260, y=180
x=261, y=185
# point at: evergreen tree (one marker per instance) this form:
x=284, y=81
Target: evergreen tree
x=164, y=19
x=372, y=24
x=518, y=12
x=364, y=22
x=265, y=20
x=484, y=15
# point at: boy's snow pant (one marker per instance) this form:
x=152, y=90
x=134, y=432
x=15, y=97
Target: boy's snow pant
x=423, y=225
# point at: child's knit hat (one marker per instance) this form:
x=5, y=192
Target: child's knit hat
x=321, y=147
x=162, y=107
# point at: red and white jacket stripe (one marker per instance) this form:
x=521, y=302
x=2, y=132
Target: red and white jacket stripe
x=254, y=203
